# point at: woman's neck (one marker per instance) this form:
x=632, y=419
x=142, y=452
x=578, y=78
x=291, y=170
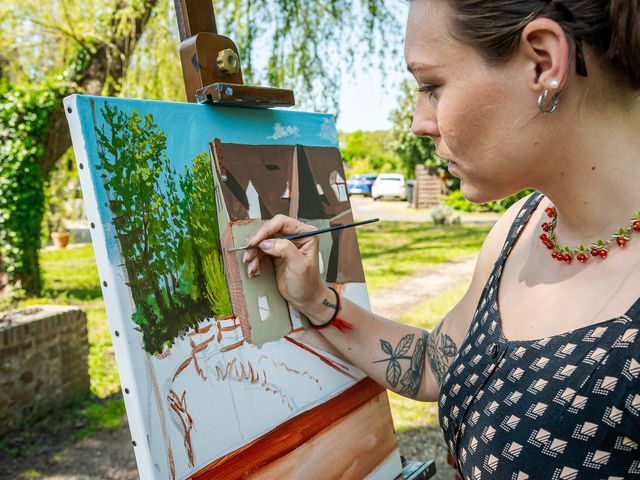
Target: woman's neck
x=595, y=179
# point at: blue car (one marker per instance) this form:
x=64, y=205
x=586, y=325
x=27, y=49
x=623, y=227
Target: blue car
x=360, y=184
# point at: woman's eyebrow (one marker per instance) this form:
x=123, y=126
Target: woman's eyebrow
x=413, y=66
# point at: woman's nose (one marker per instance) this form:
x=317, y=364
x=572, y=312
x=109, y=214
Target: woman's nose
x=425, y=122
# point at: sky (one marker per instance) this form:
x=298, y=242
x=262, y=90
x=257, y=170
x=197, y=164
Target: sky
x=366, y=101
x=367, y=98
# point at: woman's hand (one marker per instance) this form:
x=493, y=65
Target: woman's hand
x=296, y=262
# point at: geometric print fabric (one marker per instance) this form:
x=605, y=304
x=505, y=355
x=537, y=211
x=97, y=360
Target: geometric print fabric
x=564, y=407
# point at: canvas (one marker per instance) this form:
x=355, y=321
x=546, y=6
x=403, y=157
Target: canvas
x=223, y=378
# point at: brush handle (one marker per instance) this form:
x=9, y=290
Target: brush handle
x=315, y=232
x=329, y=229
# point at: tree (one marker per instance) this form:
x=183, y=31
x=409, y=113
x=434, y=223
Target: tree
x=166, y=226
x=94, y=44
x=368, y=152
x=173, y=228
x=199, y=208
x=88, y=45
x=32, y=34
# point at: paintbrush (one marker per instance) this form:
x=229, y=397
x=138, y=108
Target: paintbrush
x=314, y=232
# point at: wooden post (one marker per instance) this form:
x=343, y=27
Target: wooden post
x=427, y=189
x=195, y=16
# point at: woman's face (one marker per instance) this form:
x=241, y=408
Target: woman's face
x=481, y=117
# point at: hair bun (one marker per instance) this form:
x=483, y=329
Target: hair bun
x=624, y=49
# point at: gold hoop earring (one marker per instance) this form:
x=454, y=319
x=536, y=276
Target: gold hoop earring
x=545, y=105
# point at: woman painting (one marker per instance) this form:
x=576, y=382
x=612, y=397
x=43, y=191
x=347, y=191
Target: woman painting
x=537, y=369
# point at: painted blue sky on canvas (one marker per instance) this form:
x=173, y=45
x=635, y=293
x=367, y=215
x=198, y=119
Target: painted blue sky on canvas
x=190, y=127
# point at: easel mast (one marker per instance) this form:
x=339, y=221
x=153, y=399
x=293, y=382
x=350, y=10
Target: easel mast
x=211, y=63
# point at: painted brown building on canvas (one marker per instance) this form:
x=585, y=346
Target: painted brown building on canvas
x=256, y=182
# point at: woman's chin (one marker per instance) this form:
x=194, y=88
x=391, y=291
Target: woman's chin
x=475, y=195
x=479, y=195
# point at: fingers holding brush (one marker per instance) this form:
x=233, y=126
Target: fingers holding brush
x=295, y=260
x=294, y=248
x=266, y=239
x=252, y=258
x=278, y=226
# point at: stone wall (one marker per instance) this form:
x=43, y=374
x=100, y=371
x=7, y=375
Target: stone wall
x=43, y=362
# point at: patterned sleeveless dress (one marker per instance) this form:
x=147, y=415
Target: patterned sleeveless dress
x=564, y=407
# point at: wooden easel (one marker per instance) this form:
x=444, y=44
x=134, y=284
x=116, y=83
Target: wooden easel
x=211, y=64
x=213, y=75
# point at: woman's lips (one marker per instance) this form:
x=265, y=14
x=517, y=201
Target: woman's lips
x=453, y=168
x=451, y=165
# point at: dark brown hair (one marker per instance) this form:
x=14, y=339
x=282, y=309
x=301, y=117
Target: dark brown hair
x=608, y=28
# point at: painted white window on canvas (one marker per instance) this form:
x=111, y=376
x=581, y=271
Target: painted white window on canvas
x=287, y=192
x=254, y=201
x=263, y=307
x=339, y=186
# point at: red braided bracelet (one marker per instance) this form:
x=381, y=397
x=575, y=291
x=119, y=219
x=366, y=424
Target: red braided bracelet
x=337, y=322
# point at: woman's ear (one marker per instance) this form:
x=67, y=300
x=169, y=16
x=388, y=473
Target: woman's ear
x=545, y=47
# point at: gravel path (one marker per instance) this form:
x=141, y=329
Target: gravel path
x=411, y=291
x=108, y=455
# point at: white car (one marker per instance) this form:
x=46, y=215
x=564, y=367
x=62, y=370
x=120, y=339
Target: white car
x=389, y=185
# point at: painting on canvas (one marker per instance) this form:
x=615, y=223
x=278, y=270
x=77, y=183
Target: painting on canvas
x=224, y=379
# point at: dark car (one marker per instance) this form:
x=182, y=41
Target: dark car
x=361, y=184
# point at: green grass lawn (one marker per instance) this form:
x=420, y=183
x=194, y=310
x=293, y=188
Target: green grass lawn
x=392, y=250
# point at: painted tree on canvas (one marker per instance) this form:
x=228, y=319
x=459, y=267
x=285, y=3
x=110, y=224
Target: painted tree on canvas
x=130, y=159
x=166, y=226
x=199, y=206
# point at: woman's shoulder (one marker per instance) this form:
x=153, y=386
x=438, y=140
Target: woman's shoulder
x=518, y=214
x=460, y=317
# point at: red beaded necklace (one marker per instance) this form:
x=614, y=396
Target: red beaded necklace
x=598, y=249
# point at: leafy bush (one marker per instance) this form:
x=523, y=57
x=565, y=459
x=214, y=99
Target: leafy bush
x=11, y=296
x=24, y=121
x=444, y=215
x=62, y=196
x=458, y=202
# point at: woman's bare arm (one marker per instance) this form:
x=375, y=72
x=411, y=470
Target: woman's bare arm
x=407, y=360
x=401, y=358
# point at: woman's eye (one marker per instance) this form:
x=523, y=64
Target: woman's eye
x=428, y=89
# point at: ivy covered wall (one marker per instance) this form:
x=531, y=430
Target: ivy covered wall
x=24, y=120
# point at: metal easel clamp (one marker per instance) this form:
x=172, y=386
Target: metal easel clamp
x=199, y=57
x=211, y=63
x=412, y=470
x=245, y=96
